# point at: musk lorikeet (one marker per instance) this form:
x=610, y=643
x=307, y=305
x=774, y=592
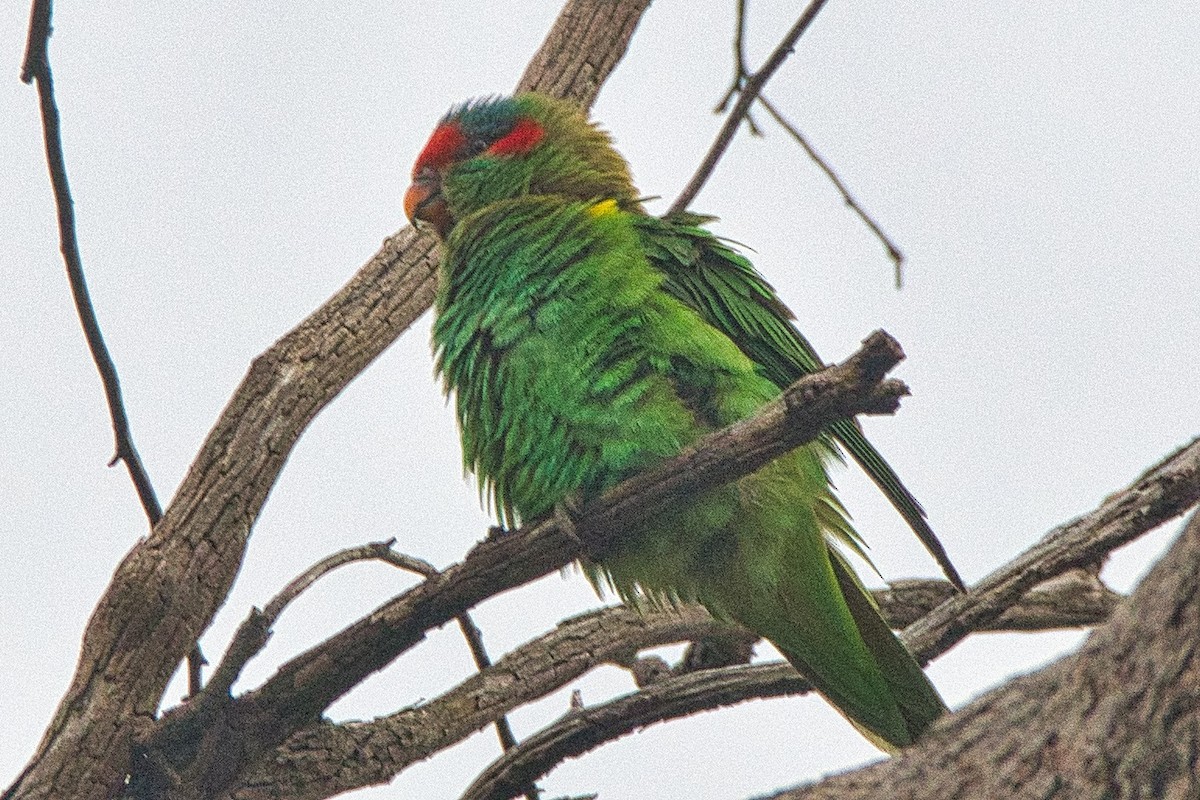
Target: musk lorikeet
x=584, y=339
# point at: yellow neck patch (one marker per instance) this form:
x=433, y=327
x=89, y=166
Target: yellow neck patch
x=604, y=208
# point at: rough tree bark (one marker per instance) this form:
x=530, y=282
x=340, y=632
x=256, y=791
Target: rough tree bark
x=1118, y=719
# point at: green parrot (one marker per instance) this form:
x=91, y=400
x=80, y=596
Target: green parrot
x=585, y=340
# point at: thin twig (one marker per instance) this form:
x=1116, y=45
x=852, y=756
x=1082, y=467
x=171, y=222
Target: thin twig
x=37, y=68
x=740, y=72
x=753, y=86
x=479, y=654
x=892, y=250
x=254, y=632
x=740, y=76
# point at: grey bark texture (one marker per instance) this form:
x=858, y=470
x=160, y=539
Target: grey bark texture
x=1119, y=719
x=1064, y=560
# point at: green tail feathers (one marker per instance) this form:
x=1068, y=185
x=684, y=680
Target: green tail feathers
x=793, y=586
x=915, y=701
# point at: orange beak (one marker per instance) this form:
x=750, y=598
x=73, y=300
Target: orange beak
x=424, y=202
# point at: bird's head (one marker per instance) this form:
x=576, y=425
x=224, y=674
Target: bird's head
x=494, y=149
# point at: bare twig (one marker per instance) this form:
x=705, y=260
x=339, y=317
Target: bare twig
x=892, y=250
x=740, y=71
x=255, y=631
x=1164, y=492
x=479, y=654
x=741, y=74
x=753, y=86
x=37, y=68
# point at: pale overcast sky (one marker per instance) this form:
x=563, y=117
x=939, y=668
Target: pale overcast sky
x=234, y=163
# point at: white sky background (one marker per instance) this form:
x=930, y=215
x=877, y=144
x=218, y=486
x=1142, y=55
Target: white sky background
x=232, y=166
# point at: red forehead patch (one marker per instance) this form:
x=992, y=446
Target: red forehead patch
x=441, y=147
x=520, y=140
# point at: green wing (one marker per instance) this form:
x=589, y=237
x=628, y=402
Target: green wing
x=729, y=294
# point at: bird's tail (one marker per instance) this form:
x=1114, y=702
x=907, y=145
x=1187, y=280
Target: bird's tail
x=886, y=695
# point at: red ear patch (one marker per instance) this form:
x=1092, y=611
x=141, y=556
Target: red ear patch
x=520, y=140
x=441, y=148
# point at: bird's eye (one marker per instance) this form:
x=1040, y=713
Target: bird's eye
x=476, y=146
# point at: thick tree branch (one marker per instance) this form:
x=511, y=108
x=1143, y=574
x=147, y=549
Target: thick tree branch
x=1119, y=718
x=166, y=590
x=300, y=691
x=37, y=68
x=362, y=754
x=313, y=680
x=373, y=752
x=1164, y=492
x=749, y=92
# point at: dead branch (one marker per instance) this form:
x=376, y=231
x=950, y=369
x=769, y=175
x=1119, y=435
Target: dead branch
x=36, y=68
x=1166, y=491
x=741, y=77
x=362, y=754
x=210, y=755
x=255, y=631
x=893, y=251
x=358, y=755
x=1118, y=718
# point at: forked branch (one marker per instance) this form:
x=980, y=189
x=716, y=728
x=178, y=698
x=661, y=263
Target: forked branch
x=1046, y=570
x=749, y=92
x=306, y=685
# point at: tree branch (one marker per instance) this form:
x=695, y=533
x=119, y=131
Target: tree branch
x=166, y=590
x=313, y=680
x=362, y=754
x=892, y=250
x=255, y=631
x=367, y=753
x=36, y=67
x=749, y=92
x=1118, y=718
x=305, y=686
x=1166, y=491
x=741, y=74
